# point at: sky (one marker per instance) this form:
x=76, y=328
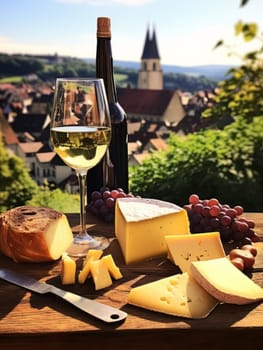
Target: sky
x=186, y=30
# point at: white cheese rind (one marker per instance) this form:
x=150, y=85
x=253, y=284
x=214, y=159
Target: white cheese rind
x=139, y=209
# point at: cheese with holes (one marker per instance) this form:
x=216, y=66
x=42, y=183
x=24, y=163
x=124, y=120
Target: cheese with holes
x=100, y=274
x=68, y=269
x=183, y=249
x=221, y=279
x=178, y=295
x=141, y=226
x=112, y=267
x=93, y=254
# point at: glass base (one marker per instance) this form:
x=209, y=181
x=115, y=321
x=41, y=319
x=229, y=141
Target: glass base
x=81, y=245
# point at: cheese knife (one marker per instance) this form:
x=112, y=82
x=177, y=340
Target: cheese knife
x=101, y=311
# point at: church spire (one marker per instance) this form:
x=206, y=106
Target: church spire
x=150, y=50
x=150, y=75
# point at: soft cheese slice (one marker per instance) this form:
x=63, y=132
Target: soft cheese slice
x=221, y=279
x=141, y=225
x=178, y=295
x=100, y=274
x=68, y=270
x=93, y=254
x=183, y=249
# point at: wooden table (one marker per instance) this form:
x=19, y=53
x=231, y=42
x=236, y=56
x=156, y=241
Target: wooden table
x=31, y=321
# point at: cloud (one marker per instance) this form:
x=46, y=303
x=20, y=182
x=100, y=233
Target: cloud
x=108, y=2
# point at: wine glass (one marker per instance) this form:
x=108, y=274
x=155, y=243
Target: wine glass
x=80, y=132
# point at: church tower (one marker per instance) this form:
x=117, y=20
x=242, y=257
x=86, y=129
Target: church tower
x=150, y=74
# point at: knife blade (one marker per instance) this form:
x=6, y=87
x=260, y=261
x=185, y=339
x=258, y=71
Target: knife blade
x=101, y=311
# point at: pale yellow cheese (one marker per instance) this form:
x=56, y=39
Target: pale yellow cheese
x=182, y=249
x=224, y=281
x=68, y=270
x=112, y=267
x=141, y=225
x=100, y=274
x=178, y=295
x=93, y=254
x=58, y=236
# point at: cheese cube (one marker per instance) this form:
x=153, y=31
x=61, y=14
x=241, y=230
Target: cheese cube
x=141, y=225
x=182, y=249
x=221, y=279
x=178, y=295
x=112, y=267
x=68, y=270
x=93, y=254
x=100, y=274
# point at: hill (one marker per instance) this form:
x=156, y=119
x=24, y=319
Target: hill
x=211, y=72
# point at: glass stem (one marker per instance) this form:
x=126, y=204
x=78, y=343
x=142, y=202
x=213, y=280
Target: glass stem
x=82, y=188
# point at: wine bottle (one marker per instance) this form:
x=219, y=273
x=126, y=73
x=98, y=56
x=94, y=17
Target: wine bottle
x=113, y=169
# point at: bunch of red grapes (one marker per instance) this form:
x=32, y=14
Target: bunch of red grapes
x=102, y=202
x=210, y=215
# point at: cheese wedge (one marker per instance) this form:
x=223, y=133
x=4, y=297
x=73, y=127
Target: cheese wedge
x=68, y=269
x=93, y=254
x=221, y=279
x=178, y=295
x=141, y=225
x=183, y=249
x=100, y=274
x=112, y=267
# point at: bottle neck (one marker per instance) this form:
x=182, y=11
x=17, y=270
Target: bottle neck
x=104, y=67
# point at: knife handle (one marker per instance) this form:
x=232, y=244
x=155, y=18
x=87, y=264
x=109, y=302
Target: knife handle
x=103, y=312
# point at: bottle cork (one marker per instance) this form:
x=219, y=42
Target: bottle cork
x=103, y=27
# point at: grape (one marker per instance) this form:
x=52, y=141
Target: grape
x=214, y=210
x=95, y=195
x=102, y=202
x=239, y=209
x=198, y=208
x=106, y=194
x=110, y=202
x=114, y=193
x=210, y=215
x=212, y=201
x=231, y=212
x=226, y=220
x=193, y=199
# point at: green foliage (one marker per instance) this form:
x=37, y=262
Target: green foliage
x=241, y=93
x=55, y=199
x=16, y=185
x=227, y=164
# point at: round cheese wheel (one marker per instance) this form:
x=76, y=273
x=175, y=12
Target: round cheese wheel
x=34, y=234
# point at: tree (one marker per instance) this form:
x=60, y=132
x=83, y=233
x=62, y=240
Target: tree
x=227, y=164
x=240, y=95
x=16, y=185
x=55, y=199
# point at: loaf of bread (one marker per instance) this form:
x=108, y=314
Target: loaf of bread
x=34, y=234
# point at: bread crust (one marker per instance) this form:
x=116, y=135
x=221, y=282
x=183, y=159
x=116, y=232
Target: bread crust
x=22, y=233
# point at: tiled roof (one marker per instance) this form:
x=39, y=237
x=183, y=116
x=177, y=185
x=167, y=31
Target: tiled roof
x=45, y=157
x=141, y=157
x=8, y=135
x=30, y=147
x=159, y=144
x=144, y=101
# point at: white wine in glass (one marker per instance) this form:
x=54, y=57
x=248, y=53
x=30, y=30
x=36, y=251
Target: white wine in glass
x=80, y=132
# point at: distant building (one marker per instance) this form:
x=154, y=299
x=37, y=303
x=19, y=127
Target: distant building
x=152, y=105
x=150, y=75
